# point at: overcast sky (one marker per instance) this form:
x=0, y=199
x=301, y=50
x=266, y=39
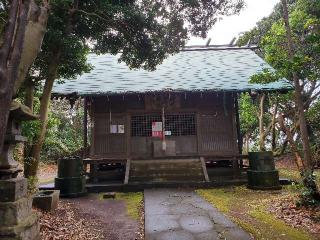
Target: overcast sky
x=229, y=27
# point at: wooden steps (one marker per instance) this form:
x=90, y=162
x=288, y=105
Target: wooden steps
x=166, y=170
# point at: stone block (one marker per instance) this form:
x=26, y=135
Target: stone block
x=13, y=189
x=109, y=195
x=12, y=213
x=261, y=161
x=263, y=180
x=28, y=229
x=71, y=186
x=46, y=200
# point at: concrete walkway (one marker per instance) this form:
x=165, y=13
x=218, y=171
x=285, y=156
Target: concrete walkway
x=174, y=214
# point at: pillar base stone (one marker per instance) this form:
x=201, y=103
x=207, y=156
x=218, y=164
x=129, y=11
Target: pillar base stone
x=28, y=229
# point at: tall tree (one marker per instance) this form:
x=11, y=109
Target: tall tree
x=291, y=46
x=307, y=171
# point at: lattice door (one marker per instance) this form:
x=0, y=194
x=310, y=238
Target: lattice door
x=110, y=136
x=216, y=134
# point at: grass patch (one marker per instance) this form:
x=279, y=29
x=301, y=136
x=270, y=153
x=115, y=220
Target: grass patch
x=248, y=208
x=290, y=174
x=275, y=227
x=133, y=202
x=219, y=197
x=295, y=175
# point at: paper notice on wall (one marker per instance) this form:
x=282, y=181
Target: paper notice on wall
x=113, y=128
x=120, y=128
x=157, y=129
x=167, y=133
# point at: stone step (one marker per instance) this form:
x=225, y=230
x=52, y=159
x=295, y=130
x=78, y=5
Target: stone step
x=163, y=167
x=199, y=173
x=166, y=170
x=165, y=161
x=168, y=179
x=149, y=172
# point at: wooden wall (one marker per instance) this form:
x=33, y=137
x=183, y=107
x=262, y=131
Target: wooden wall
x=214, y=114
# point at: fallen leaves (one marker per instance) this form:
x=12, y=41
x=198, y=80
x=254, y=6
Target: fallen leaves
x=64, y=223
x=285, y=209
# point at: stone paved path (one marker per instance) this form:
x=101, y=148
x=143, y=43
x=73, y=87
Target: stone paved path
x=175, y=214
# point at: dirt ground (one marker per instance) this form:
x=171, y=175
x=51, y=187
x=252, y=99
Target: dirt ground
x=47, y=173
x=90, y=217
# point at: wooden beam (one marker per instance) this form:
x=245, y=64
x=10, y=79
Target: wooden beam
x=85, y=127
x=240, y=139
x=204, y=169
x=126, y=178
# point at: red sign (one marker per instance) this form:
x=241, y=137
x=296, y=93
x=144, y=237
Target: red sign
x=157, y=129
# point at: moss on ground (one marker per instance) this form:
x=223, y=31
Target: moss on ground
x=133, y=202
x=295, y=175
x=248, y=208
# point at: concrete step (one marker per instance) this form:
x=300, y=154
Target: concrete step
x=166, y=170
x=168, y=174
x=165, y=161
x=165, y=180
x=148, y=172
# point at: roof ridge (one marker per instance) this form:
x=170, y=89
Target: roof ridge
x=207, y=48
x=217, y=48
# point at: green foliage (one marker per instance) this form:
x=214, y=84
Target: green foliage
x=306, y=36
x=73, y=50
x=313, y=118
x=145, y=32
x=248, y=114
x=64, y=130
x=270, y=35
x=309, y=195
x=264, y=77
x=305, y=193
x=263, y=26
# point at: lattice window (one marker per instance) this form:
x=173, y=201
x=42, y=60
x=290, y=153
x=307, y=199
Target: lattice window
x=179, y=124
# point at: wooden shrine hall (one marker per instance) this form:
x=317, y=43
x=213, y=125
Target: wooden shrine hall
x=179, y=123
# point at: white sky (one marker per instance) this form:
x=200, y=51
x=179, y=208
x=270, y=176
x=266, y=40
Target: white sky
x=229, y=27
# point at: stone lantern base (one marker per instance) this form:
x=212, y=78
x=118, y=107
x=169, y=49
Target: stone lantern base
x=17, y=220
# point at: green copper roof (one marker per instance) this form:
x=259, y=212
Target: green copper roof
x=196, y=70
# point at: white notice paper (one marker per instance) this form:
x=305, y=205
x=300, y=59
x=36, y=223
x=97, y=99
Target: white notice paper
x=113, y=128
x=120, y=128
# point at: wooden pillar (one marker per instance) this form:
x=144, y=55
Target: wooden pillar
x=85, y=126
x=240, y=140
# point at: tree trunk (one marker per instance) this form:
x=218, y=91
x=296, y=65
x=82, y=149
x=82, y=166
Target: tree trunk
x=29, y=95
x=261, y=128
x=35, y=30
x=31, y=166
x=273, y=126
x=298, y=160
x=21, y=44
x=247, y=139
x=298, y=95
x=283, y=147
x=10, y=57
